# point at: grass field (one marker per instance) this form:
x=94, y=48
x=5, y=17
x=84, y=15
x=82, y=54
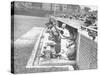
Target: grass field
x=22, y=24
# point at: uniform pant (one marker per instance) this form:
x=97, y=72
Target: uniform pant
x=64, y=50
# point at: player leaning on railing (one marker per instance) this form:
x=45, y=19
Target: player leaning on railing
x=67, y=42
x=65, y=46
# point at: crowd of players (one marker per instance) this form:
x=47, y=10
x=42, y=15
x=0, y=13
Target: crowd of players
x=59, y=41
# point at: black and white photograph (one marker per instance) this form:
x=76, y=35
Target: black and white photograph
x=49, y=37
